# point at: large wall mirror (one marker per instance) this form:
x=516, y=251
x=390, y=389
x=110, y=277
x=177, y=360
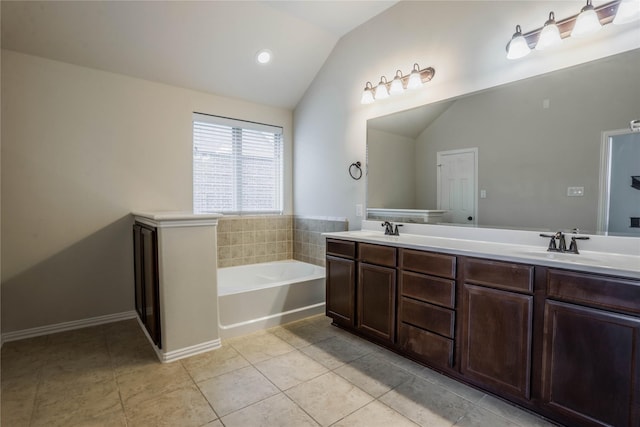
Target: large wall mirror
x=525, y=155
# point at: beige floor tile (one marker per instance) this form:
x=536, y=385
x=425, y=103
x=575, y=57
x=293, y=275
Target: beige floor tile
x=465, y=391
x=427, y=403
x=302, y=334
x=213, y=363
x=375, y=414
x=17, y=401
x=335, y=352
x=328, y=398
x=373, y=374
x=480, y=417
x=401, y=362
x=184, y=407
x=24, y=357
x=216, y=423
x=151, y=382
x=77, y=405
x=77, y=335
x=260, y=346
x=128, y=359
x=276, y=411
x=290, y=369
x=235, y=390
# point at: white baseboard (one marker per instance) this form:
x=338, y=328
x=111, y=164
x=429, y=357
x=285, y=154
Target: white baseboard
x=67, y=326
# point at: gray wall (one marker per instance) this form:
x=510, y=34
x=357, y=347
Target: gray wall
x=391, y=174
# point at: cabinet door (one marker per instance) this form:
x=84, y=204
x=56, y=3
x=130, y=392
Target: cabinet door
x=496, y=339
x=341, y=286
x=137, y=265
x=377, y=301
x=591, y=365
x=150, y=283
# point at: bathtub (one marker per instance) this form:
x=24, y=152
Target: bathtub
x=259, y=296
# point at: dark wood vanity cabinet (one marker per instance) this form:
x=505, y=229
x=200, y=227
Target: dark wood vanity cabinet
x=146, y=278
x=591, y=350
x=376, y=291
x=341, y=282
x=563, y=343
x=426, y=316
x=497, y=325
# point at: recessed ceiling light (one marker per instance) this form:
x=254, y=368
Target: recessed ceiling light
x=264, y=56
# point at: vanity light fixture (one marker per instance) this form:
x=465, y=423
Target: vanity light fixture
x=398, y=85
x=517, y=47
x=628, y=11
x=589, y=20
x=264, y=56
x=550, y=35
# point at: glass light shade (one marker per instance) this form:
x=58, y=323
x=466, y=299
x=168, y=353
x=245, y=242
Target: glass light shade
x=550, y=35
x=367, y=96
x=415, y=80
x=518, y=46
x=628, y=11
x=587, y=22
x=396, y=84
x=381, y=90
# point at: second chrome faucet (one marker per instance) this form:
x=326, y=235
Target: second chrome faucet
x=389, y=229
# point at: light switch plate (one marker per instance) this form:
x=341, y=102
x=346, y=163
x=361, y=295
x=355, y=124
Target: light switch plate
x=575, y=191
x=358, y=210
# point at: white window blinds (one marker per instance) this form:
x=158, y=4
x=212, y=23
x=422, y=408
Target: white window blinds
x=237, y=166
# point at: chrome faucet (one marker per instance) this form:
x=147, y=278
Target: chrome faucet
x=562, y=244
x=389, y=229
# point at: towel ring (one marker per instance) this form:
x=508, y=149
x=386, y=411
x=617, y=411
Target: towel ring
x=358, y=170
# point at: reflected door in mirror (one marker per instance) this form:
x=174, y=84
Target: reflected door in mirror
x=457, y=185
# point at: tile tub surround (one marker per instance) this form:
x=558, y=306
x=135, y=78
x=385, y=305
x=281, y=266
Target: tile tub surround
x=308, y=241
x=246, y=240
x=306, y=373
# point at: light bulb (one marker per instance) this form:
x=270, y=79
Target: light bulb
x=550, y=35
x=396, y=84
x=518, y=46
x=415, y=80
x=587, y=22
x=367, y=94
x=381, y=89
x=628, y=11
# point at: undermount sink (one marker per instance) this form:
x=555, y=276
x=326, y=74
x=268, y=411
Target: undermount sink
x=558, y=256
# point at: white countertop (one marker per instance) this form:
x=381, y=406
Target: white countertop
x=176, y=215
x=589, y=261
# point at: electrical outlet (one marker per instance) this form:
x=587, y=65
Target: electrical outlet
x=575, y=191
x=483, y=194
x=359, y=210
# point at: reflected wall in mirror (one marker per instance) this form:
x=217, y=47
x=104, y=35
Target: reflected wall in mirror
x=536, y=139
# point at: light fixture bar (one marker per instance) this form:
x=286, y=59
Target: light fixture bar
x=605, y=12
x=371, y=93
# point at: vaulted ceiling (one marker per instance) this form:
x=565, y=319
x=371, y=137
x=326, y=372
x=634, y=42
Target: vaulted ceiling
x=203, y=45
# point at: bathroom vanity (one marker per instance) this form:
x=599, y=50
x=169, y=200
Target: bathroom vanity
x=553, y=334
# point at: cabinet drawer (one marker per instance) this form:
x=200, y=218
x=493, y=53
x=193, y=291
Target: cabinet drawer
x=598, y=291
x=426, y=346
x=376, y=254
x=429, y=263
x=341, y=248
x=501, y=275
x=427, y=316
x=428, y=288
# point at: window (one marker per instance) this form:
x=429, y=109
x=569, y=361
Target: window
x=237, y=166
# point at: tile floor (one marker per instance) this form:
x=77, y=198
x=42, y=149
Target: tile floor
x=306, y=373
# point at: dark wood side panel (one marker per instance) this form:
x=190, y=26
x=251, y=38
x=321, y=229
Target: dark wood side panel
x=496, y=339
x=377, y=254
x=427, y=316
x=497, y=274
x=151, y=285
x=591, y=365
x=137, y=266
x=594, y=290
x=340, y=290
x=428, y=288
x=377, y=301
x=341, y=248
x=428, y=263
